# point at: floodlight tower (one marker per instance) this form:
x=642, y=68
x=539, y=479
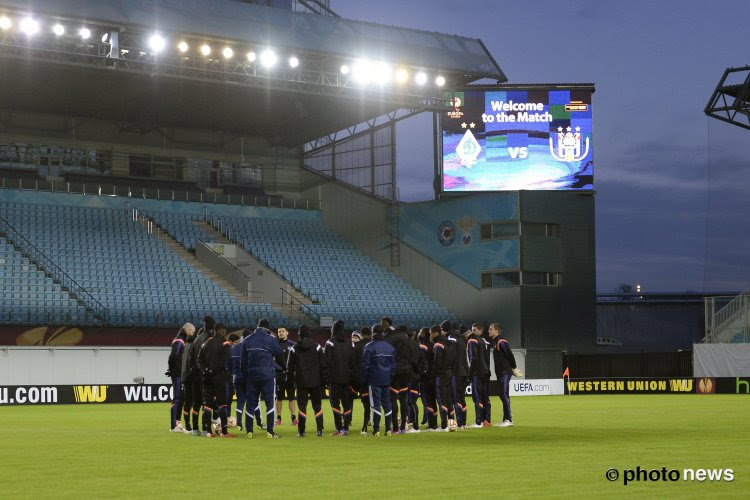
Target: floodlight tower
x=730, y=101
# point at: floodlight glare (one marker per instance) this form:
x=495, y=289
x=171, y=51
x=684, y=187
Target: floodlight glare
x=383, y=73
x=344, y=69
x=156, y=43
x=421, y=78
x=251, y=56
x=84, y=33
x=205, y=50
x=182, y=46
x=402, y=75
x=29, y=26
x=5, y=23
x=227, y=52
x=58, y=29
x=440, y=81
x=268, y=58
x=293, y=62
x=362, y=71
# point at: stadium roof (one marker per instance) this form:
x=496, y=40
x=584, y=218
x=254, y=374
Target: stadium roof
x=282, y=28
x=292, y=107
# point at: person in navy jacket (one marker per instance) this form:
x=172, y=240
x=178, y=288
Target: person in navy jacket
x=378, y=368
x=261, y=354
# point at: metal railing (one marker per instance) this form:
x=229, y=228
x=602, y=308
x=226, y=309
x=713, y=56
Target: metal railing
x=249, y=294
x=297, y=308
x=100, y=189
x=727, y=316
x=53, y=270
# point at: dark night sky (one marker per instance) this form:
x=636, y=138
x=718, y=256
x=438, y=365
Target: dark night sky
x=662, y=169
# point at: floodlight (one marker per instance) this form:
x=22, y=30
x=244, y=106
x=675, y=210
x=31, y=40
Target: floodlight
x=362, y=71
x=58, y=29
x=402, y=75
x=268, y=58
x=440, y=81
x=5, y=22
x=205, y=50
x=293, y=62
x=421, y=78
x=344, y=69
x=29, y=26
x=182, y=46
x=84, y=33
x=382, y=72
x=156, y=43
x=251, y=56
x=227, y=52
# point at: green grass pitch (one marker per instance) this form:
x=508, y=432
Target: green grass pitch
x=560, y=447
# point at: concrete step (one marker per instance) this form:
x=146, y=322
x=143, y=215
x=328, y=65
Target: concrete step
x=190, y=259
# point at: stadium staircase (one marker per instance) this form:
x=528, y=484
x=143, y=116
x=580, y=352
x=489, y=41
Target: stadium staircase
x=295, y=304
x=728, y=323
x=161, y=234
x=181, y=232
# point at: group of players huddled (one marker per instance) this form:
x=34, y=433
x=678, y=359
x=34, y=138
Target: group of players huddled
x=388, y=368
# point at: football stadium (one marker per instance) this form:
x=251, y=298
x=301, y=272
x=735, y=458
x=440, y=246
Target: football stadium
x=202, y=237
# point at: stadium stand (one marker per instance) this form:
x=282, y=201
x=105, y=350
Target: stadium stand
x=137, y=277
x=142, y=282
x=34, y=297
x=181, y=227
x=341, y=281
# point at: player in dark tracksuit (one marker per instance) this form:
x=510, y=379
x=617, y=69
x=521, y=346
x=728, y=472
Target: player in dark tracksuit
x=191, y=388
x=284, y=385
x=307, y=369
x=460, y=371
x=442, y=367
x=505, y=366
x=478, y=369
x=427, y=382
x=400, y=384
x=196, y=376
x=417, y=370
x=174, y=371
x=364, y=392
x=238, y=379
x=339, y=355
x=261, y=354
x=378, y=369
x=233, y=340
x=486, y=350
x=212, y=361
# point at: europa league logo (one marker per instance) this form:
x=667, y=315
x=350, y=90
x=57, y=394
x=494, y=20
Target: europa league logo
x=706, y=386
x=466, y=224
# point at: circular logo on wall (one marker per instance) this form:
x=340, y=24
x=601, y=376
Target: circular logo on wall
x=446, y=233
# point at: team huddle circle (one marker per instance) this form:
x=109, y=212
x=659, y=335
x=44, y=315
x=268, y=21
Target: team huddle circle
x=389, y=369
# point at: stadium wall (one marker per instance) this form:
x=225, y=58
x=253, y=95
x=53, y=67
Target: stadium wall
x=545, y=320
x=561, y=316
x=82, y=365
